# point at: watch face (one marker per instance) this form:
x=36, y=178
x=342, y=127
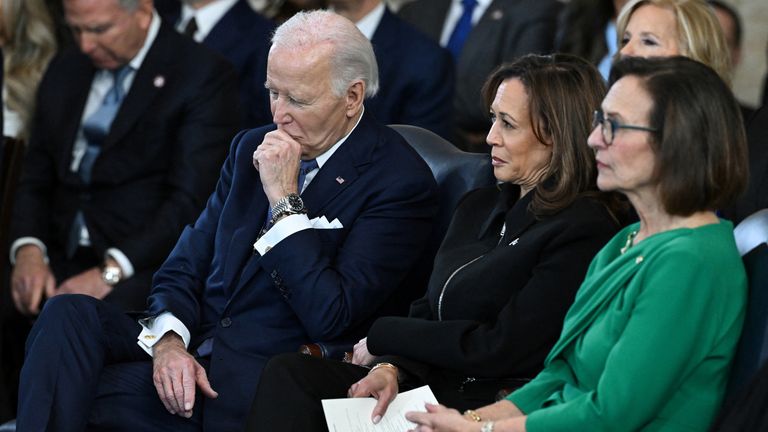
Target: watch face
x=295, y=203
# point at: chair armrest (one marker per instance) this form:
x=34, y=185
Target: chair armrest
x=325, y=350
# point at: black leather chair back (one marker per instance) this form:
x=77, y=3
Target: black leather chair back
x=456, y=172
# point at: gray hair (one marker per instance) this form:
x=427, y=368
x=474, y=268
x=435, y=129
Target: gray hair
x=352, y=56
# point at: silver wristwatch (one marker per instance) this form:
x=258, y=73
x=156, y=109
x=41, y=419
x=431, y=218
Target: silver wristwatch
x=288, y=205
x=111, y=275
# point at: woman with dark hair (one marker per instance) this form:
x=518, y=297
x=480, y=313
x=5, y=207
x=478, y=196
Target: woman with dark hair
x=648, y=342
x=505, y=273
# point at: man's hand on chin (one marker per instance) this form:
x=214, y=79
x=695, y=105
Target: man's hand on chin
x=88, y=282
x=176, y=374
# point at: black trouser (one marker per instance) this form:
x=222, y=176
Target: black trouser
x=288, y=397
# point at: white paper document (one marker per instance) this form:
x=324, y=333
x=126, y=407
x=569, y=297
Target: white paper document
x=354, y=414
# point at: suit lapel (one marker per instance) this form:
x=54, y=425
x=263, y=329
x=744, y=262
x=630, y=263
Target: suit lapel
x=152, y=76
x=433, y=17
x=224, y=36
x=336, y=175
x=384, y=38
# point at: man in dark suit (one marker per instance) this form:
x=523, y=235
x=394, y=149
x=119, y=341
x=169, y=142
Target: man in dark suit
x=233, y=29
x=150, y=166
x=500, y=31
x=330, y=248
x=416, y=75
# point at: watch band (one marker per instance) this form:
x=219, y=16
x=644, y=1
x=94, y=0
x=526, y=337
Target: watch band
x=287, y=205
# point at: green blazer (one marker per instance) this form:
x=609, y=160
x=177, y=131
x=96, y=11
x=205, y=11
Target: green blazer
x=648, y=343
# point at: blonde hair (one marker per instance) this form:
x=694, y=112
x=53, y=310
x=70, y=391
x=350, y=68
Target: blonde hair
x=29, y=43
x=700, y=36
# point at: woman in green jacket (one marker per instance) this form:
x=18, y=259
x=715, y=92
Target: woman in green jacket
x=648, y=343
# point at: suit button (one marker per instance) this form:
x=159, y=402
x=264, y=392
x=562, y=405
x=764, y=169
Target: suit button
x=226, y=322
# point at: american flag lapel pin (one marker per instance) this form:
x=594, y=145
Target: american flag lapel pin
x=340, y=180
x=159, y=81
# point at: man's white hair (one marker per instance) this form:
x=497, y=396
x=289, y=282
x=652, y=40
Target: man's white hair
x=352, y=56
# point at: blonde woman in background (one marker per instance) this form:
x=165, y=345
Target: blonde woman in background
x=28, y=43
x=663, y=28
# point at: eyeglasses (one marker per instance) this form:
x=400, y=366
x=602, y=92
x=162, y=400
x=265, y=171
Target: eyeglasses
x=609, y=126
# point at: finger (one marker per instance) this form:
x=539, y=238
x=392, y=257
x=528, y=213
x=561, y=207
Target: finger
x=168, y=393
x=380, y=409
x=35, y=295
x=160, y=388
x=355, y=391
x=177, y=383
x=50, y=286
x=188, y=393
x=17, y=298
x=205, y=386
x=420, y=418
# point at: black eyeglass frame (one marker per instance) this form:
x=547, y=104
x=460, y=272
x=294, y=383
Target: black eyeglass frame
x=599, y=118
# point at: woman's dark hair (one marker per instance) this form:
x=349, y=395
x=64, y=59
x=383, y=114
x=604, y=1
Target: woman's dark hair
x=563, y=92
x=700, y=146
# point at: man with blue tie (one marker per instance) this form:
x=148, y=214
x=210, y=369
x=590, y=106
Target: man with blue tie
x=481, y=35
x=315, y=223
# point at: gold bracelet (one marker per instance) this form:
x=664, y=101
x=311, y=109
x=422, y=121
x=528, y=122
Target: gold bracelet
x=384, y=365
x=473, y=415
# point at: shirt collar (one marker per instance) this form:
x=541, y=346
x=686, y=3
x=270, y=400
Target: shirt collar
x=154, y=28
x=206, y=17
x=323, y=158
x=369, y=23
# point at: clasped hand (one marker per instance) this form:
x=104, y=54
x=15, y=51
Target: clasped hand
x=176, y=374
x=277, y=160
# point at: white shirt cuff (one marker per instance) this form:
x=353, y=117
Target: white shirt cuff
x=153, y=329
x=283, y=228
x=23, y=241
x=122, y=260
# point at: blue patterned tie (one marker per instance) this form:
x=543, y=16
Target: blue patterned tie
x=95, y=130
x=462, y=29
x=96, y=126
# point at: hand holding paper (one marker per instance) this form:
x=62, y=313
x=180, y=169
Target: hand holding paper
x=354, y=414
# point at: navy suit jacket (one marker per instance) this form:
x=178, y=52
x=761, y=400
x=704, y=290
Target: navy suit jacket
x=317, y=284
x=416, y=78
x=507, y=30
x=243, y=37
x=158, y=163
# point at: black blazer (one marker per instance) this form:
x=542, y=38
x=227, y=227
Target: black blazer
x=243, y=37
x=495, y=304
x=158, y=165
x=507, y=29
x=416, y=78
